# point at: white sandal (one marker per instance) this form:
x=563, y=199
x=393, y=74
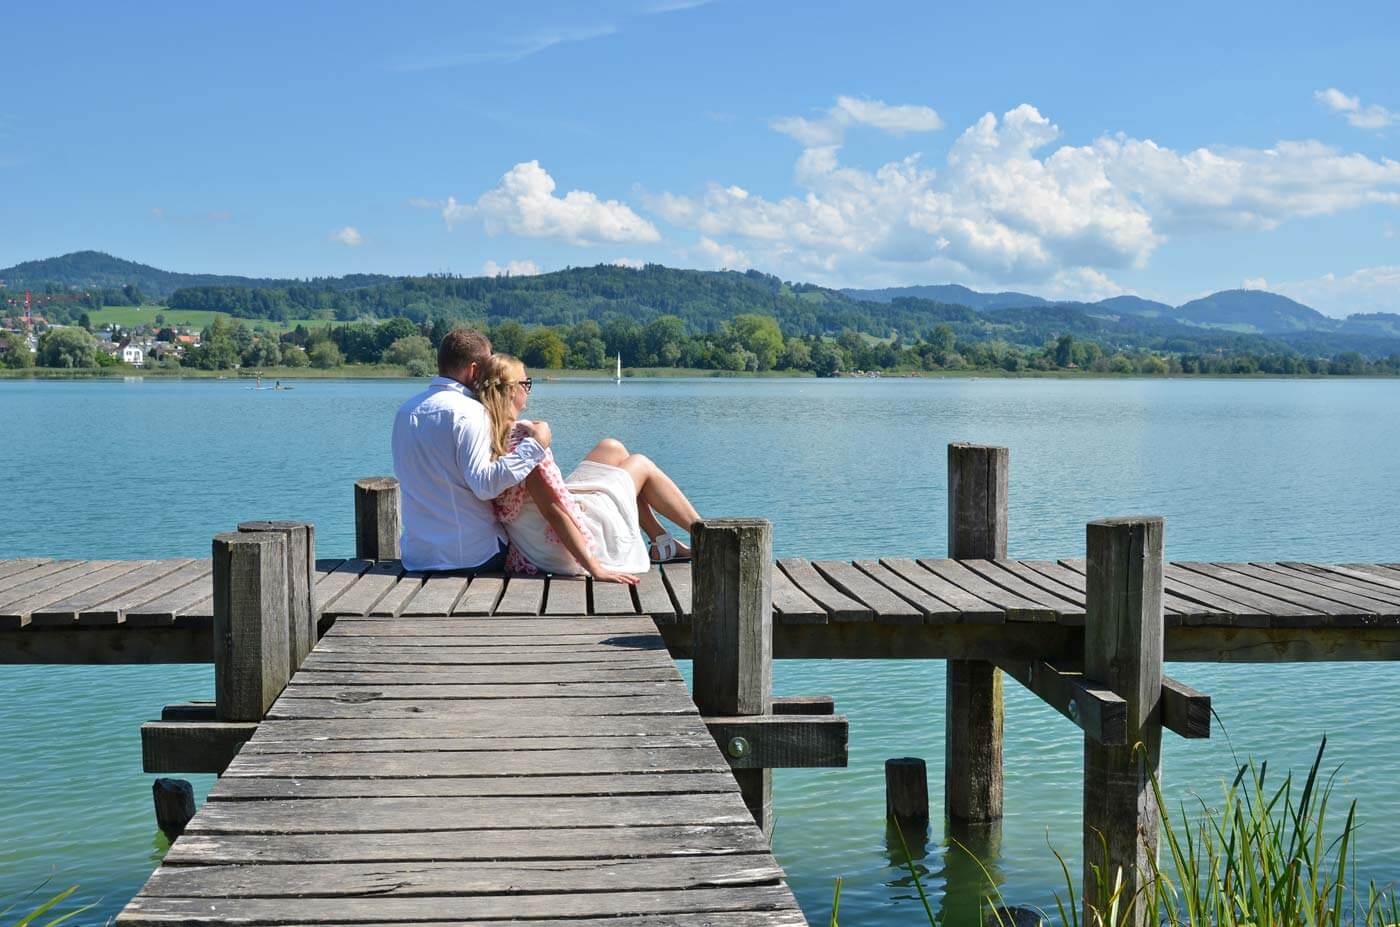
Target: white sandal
x=664, y=549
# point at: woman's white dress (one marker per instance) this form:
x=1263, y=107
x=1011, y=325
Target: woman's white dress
x=601, y=500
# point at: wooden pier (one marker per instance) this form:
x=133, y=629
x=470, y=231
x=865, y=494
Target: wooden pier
x=493, y=748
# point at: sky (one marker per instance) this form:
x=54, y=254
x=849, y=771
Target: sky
x=1074, y=151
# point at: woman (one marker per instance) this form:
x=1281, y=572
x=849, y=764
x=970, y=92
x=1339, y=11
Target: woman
x=591, y=522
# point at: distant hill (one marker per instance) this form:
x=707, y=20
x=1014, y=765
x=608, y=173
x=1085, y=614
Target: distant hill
x=953, y=293
x=1135, y=305
x=84, y=270
x=1253, y=311
x=1385, y=324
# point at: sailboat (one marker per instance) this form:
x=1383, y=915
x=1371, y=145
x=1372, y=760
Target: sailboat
x=619, y=368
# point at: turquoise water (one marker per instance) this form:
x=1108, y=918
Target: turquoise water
x=846, y=468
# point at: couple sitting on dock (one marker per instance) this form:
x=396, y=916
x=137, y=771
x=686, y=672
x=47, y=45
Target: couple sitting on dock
x=481, y=491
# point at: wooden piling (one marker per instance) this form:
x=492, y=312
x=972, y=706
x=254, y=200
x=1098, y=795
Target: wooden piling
x=377, y=518
x=174, y=800
x=906, y=792
x=301, y=584
x=1123, y=633
x=733, y=636
x=972, y=767
x=252, y=652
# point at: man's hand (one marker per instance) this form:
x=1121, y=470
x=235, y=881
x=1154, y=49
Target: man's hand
x=540, y=432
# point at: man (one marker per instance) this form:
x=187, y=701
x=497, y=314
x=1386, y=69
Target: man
x=442, y=458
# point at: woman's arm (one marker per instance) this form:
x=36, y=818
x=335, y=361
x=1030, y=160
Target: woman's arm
x=552, y=507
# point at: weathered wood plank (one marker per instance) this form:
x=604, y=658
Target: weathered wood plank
x=393, y=602
x=233, y=788
x=332, y=585
x=792, y=605
x=1334, y=580
x=678, y=583
x=962, y=604
x=610, y=598
x=514, y=690
x=1185, y=711
x=782, y=741
x=523, y=595
x=366, y=591
x=70, y=610
x=1071, y=573
x=21, y=565
x=652, y=597
x=192, y=746
x=682, y=919
x=1097, y=710
x=839, y=606
x=36, y=573
x=513, y=725
x=665, y=740
x=307, y=708
x=26, y=598
x=326, y=566
x=1029, y=585
x=1361, y=604
x=1311, y=607
x=933, y=609
x=1014, y=607
x=485, y=656
x=438, y=595
x=145, y=911
x=568, y=595
x=500, y=675
x=106, y=646
x=1187, y=583
x=481, y=596
x=887, y=607
x=195, y=573
x=439, y=626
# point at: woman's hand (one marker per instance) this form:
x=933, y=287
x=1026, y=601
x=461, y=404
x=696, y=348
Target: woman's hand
x=610, y=576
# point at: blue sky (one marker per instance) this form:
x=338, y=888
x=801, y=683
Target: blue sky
x=1076, y=152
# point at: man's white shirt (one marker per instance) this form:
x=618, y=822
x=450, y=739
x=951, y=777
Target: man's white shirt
x=447, y=479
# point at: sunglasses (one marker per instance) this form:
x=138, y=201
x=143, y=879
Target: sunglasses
x=528, y=383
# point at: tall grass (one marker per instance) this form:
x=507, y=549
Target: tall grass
x=1270, y=855
x=32, y=919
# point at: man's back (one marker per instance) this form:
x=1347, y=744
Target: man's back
x=442, y=458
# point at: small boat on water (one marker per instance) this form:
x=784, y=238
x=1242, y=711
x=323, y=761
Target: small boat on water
x=619, y=368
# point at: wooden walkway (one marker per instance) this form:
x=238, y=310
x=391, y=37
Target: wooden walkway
x=472, y=771
x=38, y=594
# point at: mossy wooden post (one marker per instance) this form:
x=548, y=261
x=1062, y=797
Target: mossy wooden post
x=733, y=634
x=972, y=785
x=174, y=800
x=1123, y=650
x=906, y=792
x=301, y=583
x=377, y=518
x=252, y=652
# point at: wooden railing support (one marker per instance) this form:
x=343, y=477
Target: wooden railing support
x=301, y=583
x=906, y=793
x=251, y=637
x=377, y=522
x=1123, y=632
x=733, y=637
x=972, y=760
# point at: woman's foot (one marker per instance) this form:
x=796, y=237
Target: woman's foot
x=666, y=549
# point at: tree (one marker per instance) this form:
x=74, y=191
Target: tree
x=132, y=294
x=393, y=330
x=405, y=351
x=67, y=347
x=14, y=353
x=661, y=341
x=760, y=336
x=326, y=355
x=294, y=356
x=544, y=349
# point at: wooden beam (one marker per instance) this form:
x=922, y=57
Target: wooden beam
x=1098, y=711
x=1123, y=648
x=1185, y=711
x=190, y=711
x=377, y=518
x=804, y=705
x=106, y=646
x=192, y=746
x=781, y=741
x=972, y=767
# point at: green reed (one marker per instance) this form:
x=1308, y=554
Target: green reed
x=32, y=918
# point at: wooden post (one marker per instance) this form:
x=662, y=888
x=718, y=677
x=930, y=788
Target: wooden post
x=252, y=653
x=733, y=634
x=174, y=800
x=377, y=518
x=301, y=573
x=1123, y=651
x=972, y=783
x=906, y=792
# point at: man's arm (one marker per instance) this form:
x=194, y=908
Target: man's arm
x=488, y=478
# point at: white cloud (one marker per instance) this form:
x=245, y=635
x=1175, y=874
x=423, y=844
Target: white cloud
x=519, y=268
x=1254, y=283
x=347, y=236
x=1370, y=289
x=831, y=128
x=633, y=263
x=1007, y=208
x=1371, y=116
x=523, y=203
x=722, y=257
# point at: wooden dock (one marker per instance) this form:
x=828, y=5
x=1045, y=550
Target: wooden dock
x=442, y=769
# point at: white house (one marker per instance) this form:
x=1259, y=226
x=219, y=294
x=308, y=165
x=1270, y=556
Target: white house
x=132, y=354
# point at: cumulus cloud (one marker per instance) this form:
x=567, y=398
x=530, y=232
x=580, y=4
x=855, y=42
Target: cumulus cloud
x=830, y=128
x=722, y=257
x=518, y=268
x=1254, y=283
x=633, y=263
x=523, y=203
x=1370, y=116
x=1370, y=289
x=1010, y=206
x=348, y=236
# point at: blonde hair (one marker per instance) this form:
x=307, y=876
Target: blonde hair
x=497, y=375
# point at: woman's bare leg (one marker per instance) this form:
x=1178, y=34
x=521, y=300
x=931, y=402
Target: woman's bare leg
x=659, y=491
x=653, y=528
x=609, y=451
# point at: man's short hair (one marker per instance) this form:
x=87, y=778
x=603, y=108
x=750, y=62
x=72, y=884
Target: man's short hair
x=462, y=346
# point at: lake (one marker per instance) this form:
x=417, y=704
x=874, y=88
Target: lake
x=1257, y=469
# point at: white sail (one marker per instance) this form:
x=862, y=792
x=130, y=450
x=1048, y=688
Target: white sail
x=619, y=367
